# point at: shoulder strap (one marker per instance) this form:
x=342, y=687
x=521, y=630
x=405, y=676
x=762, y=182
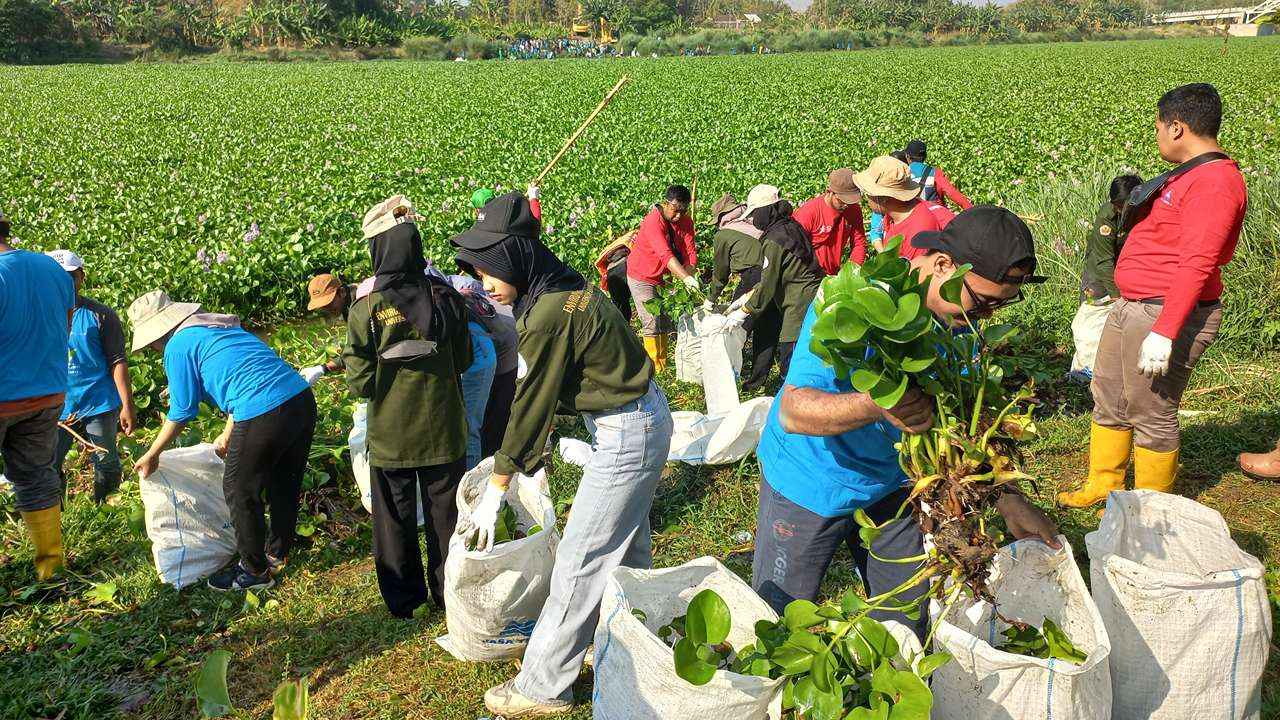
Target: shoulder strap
x=1139, y=202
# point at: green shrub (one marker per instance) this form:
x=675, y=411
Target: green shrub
x=425, y=48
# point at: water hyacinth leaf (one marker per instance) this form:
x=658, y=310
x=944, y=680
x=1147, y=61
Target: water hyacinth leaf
x=876, y=306
x=865, y=380
x=814, y=704
x=908, y=309
x=849, y=325
x=211, y=685
x=844, y=283
x=852, y=603
x=1060, y=646
x=708, y=621
x=999, y=334
x=770, y=635
x=801, y=614
x=880, y=712
x=951, y=289
x=888, y=393
x=792, y=659
x=912, y=698
x=929, y=663
x=823, y=671
x=868, y=535
x=878, y=642
x=291, y=701
x=690, y=664
x=861, y=517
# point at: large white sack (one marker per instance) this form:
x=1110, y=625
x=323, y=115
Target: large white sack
x=1086, y=332
x=186, y=515
x=635, y=675
x=493, y=599
x=700, y=439
x=1185, y=607
x=689, y=348
x=357, y=442
x=1031, y=581
x=722, y=344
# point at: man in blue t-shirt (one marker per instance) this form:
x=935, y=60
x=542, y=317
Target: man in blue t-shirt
x=36, y=298
x=99, y=395
x=827, y=451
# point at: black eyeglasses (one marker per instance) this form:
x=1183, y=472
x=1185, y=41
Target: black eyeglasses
x=987, y=304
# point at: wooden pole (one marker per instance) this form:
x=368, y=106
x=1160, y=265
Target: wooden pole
x=581, y=128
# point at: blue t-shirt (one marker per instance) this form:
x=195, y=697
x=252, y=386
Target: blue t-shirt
x=36, y=297
x=830, y=476
x=930, y=189
x=229, y=368
x=876, y=232
x=96, y=345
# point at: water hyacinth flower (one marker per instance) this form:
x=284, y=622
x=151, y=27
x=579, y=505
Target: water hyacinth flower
x=202, y=256
x=311, y=227
x=253, y=233
x=202, y=217
x=221, y=257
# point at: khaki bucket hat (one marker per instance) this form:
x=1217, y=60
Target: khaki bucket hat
x=887, y=176
x=153, y=315
x=386, y=215
x=761, y=195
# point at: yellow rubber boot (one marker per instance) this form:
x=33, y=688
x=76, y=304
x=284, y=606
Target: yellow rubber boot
x=654, y=347
x=1153, y=470
x=45, y=527
x=664, y=344
x=1108, y=457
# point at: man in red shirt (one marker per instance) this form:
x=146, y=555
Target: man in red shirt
x=833, y=221
x=663, y=245
x=890, y=190
x=935, y=186
x=1170, y=279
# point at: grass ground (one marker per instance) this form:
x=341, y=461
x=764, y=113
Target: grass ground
x=72, y=650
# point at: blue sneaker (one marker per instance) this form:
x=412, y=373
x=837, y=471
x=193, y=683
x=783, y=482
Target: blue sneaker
x=237, y=577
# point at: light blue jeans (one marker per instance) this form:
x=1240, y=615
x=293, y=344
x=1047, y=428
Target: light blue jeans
x=101, y=431
x=608, y=527
x=476, y=382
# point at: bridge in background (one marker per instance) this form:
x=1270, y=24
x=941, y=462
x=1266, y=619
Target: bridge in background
x=1234, y=14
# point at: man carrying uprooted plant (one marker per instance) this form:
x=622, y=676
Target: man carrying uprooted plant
x=663, y=246
x=1184, y=228
x=407, y=344
x=738, y=252
x=581, y=354
x=828, y=451
x=790, y=270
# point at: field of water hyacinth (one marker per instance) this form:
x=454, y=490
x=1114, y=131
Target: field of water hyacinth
x=232, y=184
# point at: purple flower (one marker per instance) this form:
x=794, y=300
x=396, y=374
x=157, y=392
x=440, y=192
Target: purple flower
x=202, y=256
x=311, y=227
x=253, y=233
x=221, y=257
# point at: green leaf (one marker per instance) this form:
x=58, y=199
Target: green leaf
x=852, y=603
x=1060, y=646
x=690, y=664
x=908, y=309
x=211, y=685
x=823, y=671
x=708, y=621
x=950, y=290
x=889, y=392
x=929, y=663
x=875, y=305
x=801, y=614
x=848, y=324
x=291, y=700
x=101, y=593
x=881, y=712
x=868, y=535
x=861, y=517
x=865, y=380
x=872, y=643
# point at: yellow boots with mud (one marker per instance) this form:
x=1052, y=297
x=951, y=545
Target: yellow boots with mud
x=654, y=348
x=1108, y=458
x=1154, y=470
x=45, y=527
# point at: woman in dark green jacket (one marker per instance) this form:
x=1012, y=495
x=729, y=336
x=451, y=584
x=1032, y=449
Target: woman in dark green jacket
x=407, y=343
x=578, y=352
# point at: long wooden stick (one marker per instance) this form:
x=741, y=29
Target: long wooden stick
x=581, y=128
x=87, y=445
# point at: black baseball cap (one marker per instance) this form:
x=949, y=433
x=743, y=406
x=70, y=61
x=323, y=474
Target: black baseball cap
x=916, y=149
x=991, y=239
x=499, y=219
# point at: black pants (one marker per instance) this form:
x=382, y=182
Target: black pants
x=765, y=327
x=785, y=349
x=619, y=291
x=268, y=455
x=396, y=555
x=794, y=548
x=497, y=413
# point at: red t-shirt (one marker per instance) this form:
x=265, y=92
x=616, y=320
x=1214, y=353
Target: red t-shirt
x=942, y=214
x=921, y=219
x=535, y=209
x=653, y=246
x=832, y=231
x=1177, y=251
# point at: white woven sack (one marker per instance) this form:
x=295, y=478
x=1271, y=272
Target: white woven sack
x=721, y=362
x=357, y=442
x=493, y=599
x=1031, y=581
x=1185, y=607
x=689, y=348
x=635, y=675
x=186, y=515
x=700, y=439
x=1086, y=332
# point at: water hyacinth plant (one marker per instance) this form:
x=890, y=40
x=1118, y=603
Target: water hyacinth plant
x=875, y=329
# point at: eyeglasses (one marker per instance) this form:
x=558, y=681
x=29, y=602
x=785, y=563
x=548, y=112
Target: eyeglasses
x=987, y=304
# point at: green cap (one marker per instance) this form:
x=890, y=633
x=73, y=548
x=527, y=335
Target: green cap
x=481, y=197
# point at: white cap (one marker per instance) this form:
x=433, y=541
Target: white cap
x=761, y=196
x=67, y=259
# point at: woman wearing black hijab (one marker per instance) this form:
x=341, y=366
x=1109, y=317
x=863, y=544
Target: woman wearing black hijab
x=791, y=273
x=579, y=352
x=407, y=342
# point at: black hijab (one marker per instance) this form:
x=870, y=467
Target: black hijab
x=526, y=264
x=776, y=224
x=399, y=274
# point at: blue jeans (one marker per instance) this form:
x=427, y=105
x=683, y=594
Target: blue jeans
x=101, y=431
x=476, y=382
x=608, y=528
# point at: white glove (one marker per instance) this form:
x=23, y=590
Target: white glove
x=533, y=192
x=312, y=374
x=692, y=282
x=484, y=519
x=1153, y=361
x=709, y=306
x=736, y=318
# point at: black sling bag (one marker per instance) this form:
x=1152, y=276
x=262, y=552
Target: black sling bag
x=1139, y=202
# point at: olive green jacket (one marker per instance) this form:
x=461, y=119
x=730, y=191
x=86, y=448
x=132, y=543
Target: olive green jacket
x=1098, y=280
x=735, y=252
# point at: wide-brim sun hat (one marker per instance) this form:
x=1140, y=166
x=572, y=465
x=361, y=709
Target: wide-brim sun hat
x=153, y=315
x=386, y=215
x=761, y=196
x=888, y=176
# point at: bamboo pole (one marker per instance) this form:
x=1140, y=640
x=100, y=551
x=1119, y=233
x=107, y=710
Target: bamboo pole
x=581, y=128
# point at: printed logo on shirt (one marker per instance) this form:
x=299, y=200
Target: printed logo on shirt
x=765, y=264
x=824, y=229
x=1104, y=230
x=577, y=301
x=1167, y=198
x=389, y=316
